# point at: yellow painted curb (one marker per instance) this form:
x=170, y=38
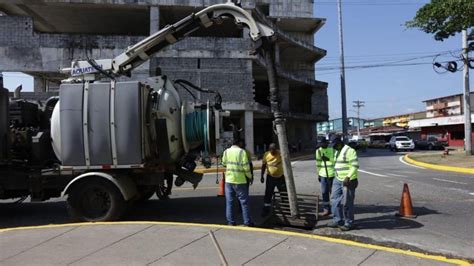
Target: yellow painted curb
x=214, y=170
x=260, y=230
x=461, y=170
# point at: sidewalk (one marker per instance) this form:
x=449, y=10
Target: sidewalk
x=158, y=243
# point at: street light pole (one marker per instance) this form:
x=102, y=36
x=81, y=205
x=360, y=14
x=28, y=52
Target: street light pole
x=466, y=96
x=343, y=76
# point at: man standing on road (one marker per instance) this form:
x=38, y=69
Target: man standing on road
x=237, y=165
x=325, y=165
x=344, y=186
x=272, y=163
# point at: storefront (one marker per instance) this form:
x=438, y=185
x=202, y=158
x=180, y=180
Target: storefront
x=450, y=129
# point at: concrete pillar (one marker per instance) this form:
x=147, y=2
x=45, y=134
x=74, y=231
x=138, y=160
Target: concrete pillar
x=154, y=19
x=249, y=140
x=319, y=102
x=39, y=84
x=154, y=27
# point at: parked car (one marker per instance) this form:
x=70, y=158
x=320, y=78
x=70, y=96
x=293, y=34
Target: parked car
x=431, y=144
x=401, y=143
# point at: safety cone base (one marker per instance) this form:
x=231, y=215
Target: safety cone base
x=406, y=216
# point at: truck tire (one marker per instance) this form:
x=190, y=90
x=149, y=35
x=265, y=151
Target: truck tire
x=95, y=200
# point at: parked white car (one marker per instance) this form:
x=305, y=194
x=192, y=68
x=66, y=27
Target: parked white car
x=401, y=143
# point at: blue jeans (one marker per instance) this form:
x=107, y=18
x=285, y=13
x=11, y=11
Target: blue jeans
x=326, y=187
x=342, y=200
x=242, y=193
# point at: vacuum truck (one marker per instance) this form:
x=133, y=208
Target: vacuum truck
x=105, y=143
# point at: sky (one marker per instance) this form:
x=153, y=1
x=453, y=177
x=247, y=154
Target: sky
x=374, y=33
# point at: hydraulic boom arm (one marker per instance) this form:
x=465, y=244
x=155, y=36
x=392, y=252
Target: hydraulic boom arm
x=139, y=53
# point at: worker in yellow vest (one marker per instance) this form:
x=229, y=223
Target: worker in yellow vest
x=325, y=165
x=237, y=165
x=344, y=186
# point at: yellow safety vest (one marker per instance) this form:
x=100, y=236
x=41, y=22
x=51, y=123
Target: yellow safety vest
x=347, y=164
x=237, y=165
x=328, y=152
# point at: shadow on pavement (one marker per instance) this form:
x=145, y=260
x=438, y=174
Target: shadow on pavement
x=389, y=222
x=386, y=219
x=367, y=209
x=192, y=210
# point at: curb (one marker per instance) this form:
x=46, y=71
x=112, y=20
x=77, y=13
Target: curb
x=214, y=170
x=445, y=168
x=329, y=239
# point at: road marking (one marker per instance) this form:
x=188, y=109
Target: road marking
x=450, y=181
x=472, y=193
x=370, y=173
x=259, y=230
x=395, y=175
x=403, y=161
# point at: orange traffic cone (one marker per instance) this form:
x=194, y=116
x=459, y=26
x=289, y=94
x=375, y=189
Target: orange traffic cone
x=221, y=192
x=406, y=207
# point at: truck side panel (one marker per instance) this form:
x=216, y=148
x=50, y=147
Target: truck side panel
x=99, y=124
x=128, y=122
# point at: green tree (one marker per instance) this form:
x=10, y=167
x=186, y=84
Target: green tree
x=444, y=18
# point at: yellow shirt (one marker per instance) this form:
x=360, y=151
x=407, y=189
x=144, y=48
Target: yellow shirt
x=274, y=164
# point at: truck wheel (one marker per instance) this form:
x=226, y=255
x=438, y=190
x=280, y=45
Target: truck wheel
x=430, y=147
x=95, y=200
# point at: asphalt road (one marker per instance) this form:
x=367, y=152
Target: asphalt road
x=443, y=201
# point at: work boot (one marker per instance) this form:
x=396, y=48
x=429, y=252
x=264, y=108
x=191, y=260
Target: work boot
x=333, y=224
x=345, y=228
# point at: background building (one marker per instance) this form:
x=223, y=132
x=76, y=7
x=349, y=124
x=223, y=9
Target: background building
x=334, y=126
x=40, y=37
x=444, y=120
x=447, y=106
x=402, y=120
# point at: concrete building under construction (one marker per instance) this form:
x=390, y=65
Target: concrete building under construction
x=40, y=37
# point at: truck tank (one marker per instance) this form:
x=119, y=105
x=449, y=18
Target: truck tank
x=127, y=124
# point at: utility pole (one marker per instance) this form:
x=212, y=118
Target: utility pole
x=358, y=104
x=466, y=97
x=343, y=75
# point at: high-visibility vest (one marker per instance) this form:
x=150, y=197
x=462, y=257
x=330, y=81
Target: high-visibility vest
x=347, y=164
x=237, y=165
x=321, y=165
